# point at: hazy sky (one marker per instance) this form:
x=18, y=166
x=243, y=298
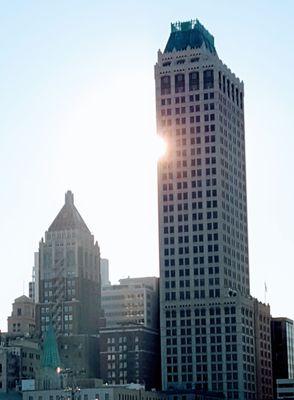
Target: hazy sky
x=77, y=111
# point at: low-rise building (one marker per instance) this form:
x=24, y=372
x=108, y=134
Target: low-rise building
x=99, y=393
x=130, y=354
x=130, y=343
x=9, y=369
x=22, y=319
x=263, y=351
x=19, y=361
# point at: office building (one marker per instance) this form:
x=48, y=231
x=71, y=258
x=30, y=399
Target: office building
x=133, y=301
x=19, y=361
x=129, y=343
x=282, y=335
x=206, y=311
x=69, y=292
x=69, y=275
x=22, y=319
x=10, y=369
x=104, y=271
x=263, y=351
x=130, y=354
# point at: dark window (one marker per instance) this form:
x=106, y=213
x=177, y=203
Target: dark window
x=179, y=83
x=165, y=85
x=208, y=80
x=228, y=88
x=194, y=81
x=219, y=80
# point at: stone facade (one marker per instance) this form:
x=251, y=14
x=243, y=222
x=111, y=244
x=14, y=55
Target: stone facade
x=22, y=319
x=69, y=276
x=263, y=351
x=206, y=311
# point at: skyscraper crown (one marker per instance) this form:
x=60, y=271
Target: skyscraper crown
x=189, y=33
x=68, y=217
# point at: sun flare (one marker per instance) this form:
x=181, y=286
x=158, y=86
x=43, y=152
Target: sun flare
x=160, y=147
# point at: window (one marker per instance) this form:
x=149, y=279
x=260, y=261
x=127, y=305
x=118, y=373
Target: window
x=194, y=81
x=208, y=79
x=165, y=85
x=179, y=83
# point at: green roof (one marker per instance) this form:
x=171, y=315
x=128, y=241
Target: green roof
x=189, y=33
x=50, y=355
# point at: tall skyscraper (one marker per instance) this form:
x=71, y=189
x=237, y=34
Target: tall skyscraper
x=68, y=275
x=206, y=311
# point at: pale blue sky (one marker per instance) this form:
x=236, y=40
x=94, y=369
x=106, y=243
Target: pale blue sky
x=77, y=111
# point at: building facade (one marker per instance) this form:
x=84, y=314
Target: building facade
x=104, y=271
x=33, y=284
x=10, y=369
x=19, y=361
x=129, y=343
x=206, y=311
x=285, y=389
x=101, y=393
x=68, y=276
x=133, y=301
x=130, y=354
x=263, y=351
x=282, y=335
x=22, y=319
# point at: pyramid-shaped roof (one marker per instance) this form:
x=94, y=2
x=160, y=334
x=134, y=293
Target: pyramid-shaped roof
x=50, y=355
x=68, y=217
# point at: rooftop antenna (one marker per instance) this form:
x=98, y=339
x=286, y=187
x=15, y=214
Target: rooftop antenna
x=265, y=291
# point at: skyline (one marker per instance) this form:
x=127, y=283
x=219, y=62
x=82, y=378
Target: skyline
x=60, y=91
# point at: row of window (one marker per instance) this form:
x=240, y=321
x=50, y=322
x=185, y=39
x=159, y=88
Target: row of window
x=192, y=109
x=190, y=98
x=193, y=79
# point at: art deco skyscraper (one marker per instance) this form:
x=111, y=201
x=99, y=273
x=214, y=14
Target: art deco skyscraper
x=69, y=275
x=207, y=314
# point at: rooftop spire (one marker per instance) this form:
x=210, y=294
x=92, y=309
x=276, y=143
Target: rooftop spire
x=50, y=355
x=69, y=197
